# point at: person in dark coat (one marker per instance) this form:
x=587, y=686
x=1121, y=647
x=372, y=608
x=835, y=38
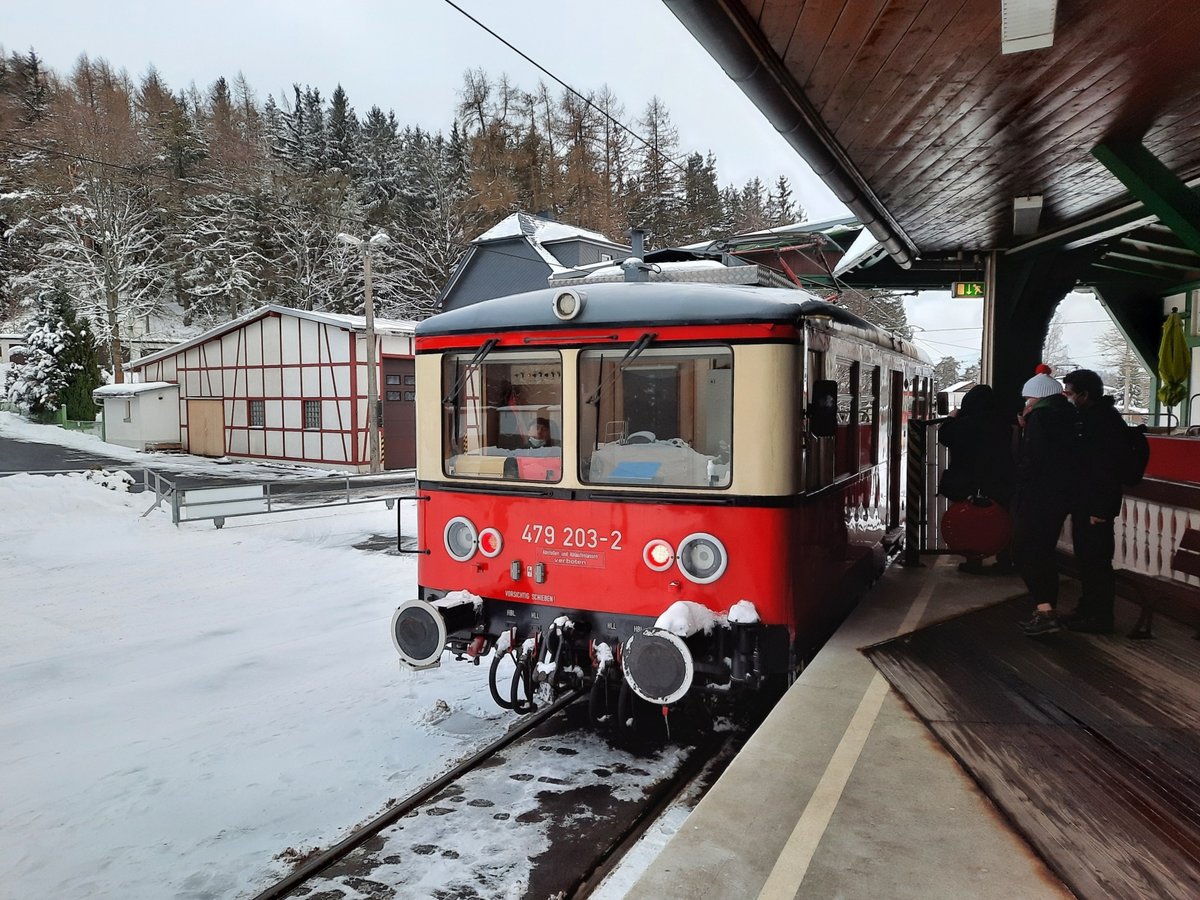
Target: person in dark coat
x=979, y=437
x=1096, y=499
x=1047, y=453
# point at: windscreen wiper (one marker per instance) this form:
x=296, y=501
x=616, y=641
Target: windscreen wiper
x=483, y=351
x=630, y=355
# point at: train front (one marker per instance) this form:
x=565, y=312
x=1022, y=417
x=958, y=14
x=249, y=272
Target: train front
x=577, y=515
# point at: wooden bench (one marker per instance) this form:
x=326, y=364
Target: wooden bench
x=1166, y=595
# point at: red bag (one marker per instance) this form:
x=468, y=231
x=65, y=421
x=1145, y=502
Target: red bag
x=976, y=527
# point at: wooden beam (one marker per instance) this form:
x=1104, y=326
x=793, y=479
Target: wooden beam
x=1156, y=186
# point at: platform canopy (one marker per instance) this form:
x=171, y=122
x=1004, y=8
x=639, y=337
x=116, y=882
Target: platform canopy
x=1071, y=160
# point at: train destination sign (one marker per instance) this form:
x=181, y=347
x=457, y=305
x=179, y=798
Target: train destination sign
x=961, y=289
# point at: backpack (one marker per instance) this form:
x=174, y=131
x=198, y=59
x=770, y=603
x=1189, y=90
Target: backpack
x=1136, y=455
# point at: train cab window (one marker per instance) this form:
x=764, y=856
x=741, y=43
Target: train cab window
x=502, y=416
x=662, y=417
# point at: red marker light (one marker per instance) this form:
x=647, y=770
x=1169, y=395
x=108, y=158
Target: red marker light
x=658, y=555
x=490, y=542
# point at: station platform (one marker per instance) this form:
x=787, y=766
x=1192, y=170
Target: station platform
x=1088, y=747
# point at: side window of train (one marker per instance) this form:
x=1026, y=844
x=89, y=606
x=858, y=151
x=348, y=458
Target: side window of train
x=502, y=416
x=846, y=454
x=868, y=415
x=662, y=418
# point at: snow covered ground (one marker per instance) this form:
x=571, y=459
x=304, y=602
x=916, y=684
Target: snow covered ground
x=181, y=704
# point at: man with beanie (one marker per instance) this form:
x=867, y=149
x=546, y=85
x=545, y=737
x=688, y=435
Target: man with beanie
x=1046, y=455
x=1096, y=500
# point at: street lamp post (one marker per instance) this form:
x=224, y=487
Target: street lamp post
x=372, y=375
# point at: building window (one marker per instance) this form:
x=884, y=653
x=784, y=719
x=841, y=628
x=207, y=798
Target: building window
x=391, y=379
x=258, y=413
x=393, y=395
x=410, y=379
x=410, y=395
x=312, y=413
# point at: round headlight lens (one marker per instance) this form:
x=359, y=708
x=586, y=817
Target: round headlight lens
x=702, y=558
x=460, y=538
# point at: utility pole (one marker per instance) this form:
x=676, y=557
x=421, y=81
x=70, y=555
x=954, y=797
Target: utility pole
x=364, y=247
x=372, y=374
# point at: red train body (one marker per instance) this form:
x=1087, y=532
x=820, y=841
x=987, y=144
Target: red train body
x=718, y=476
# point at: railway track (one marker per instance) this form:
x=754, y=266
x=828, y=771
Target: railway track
x=315, y=866
x=551, y=804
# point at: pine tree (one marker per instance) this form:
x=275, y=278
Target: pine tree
x=342, y=136
x=36, y=384
x=377, y=165
x=659, y=201
x=702, y=217
x=781, y=208
x=945, y=373
x=81, y=361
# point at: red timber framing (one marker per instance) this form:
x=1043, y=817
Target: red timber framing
x=284, y=359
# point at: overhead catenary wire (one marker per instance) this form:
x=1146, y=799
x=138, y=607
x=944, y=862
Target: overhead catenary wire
x=537, y=65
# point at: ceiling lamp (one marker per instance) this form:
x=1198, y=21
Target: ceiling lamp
x=1026, y=213
x=1026, y=24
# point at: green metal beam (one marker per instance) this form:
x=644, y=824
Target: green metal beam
x=1156, y=186
x=1131, y=270
x=1154, y=261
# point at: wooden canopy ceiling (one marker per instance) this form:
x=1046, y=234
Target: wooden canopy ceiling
x=912, y=115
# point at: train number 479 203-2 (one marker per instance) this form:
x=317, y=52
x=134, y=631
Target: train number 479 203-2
x=566, y=536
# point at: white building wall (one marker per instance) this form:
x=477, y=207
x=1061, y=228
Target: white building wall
x=153, y=419
x=262, y=360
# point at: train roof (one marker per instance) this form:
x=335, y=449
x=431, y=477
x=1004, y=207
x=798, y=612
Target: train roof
x=629, y=304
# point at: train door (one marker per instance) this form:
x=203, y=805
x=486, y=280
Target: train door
x=399, y=414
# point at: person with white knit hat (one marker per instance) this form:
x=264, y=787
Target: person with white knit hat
x=1045, y=457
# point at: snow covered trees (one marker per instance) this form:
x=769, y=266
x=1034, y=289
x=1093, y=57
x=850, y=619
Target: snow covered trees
x=206, y=203
x=60, y=367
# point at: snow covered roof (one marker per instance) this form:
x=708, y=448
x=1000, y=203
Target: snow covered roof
x=542, y=231
x=865, y=251
x=346, y=323
x=131, y=389
x=961, y=386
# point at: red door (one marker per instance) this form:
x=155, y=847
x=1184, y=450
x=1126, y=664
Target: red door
x=399, y=414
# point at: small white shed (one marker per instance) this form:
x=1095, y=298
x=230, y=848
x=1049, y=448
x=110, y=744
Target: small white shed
x=140, y=415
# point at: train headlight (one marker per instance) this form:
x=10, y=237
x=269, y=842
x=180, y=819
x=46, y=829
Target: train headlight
x=569, y=303
x=461, y=538
x=490, y=543
x=702, y=558
x=658, y=555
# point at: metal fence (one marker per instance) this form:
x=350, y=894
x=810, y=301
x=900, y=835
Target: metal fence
x=218, y=502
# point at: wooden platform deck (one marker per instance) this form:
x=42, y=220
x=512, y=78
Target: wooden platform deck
x=1089, y=744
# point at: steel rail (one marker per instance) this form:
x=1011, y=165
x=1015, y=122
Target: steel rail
x=360, y=835
x=714, y=750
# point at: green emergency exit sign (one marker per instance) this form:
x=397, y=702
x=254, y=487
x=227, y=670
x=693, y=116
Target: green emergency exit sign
x=966, y=289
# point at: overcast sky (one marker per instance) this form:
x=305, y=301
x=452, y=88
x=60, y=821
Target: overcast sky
x=410, y=56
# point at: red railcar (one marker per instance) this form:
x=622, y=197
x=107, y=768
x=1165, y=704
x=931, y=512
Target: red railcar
x=651, y=489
